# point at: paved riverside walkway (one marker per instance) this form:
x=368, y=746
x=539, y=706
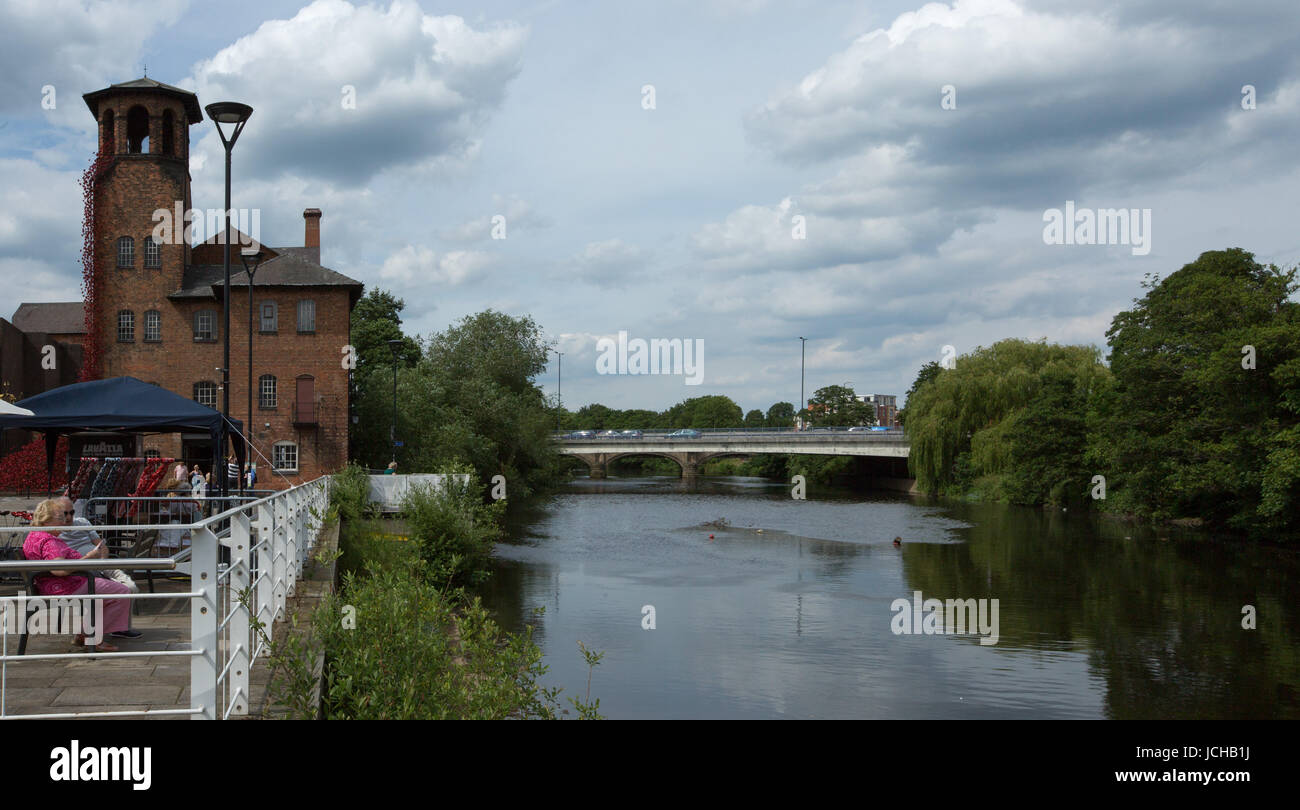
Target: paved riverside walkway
x=106, y=684
x=111, y=684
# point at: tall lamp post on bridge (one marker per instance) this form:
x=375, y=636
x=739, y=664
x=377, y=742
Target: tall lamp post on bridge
x=236, y=114
x=247, y=255
x=803, y=341
x=559, y=388
x=393, y=346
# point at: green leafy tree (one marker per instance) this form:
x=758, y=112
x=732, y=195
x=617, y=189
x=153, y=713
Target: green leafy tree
x=596, y=417
x=1047, y=440
x=1189, y=430
x=713, y=411
x=754, y=419
x=962, y=423
x=377, y=319
x=928, y=372
x=639, y=419
x=835, y=406
x=780, y=415
x=470, y=398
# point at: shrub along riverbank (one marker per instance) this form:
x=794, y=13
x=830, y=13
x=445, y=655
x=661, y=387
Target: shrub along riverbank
x=402, y=638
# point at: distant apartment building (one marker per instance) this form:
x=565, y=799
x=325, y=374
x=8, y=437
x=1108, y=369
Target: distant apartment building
x=886, y=406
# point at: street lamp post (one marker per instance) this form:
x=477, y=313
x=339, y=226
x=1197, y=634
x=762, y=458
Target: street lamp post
x=247, y=255
x=393, y=346
x=559, y=388
x=803, y=341
x=227, y=112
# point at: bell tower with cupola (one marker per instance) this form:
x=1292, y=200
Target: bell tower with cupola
x=141, y=196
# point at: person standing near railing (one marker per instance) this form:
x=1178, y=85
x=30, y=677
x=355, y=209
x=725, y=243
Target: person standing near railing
x=176, y=510
x=48, y=546
x=198, y=483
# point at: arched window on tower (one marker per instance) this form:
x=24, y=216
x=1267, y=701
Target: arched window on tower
x=168, y=134
x=109, y=137
x=137, y=130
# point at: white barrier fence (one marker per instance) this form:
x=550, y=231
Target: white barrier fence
x=389, y=490
x=268, y=542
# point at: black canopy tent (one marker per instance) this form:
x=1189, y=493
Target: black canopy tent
x=122, y=404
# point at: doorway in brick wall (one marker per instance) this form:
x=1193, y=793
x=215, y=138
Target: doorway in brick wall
x=196, y=448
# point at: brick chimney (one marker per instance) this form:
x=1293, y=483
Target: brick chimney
x=312, y=237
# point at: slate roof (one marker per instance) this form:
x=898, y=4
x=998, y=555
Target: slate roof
x=60, y=318
x=291, y=268
x=192, y=110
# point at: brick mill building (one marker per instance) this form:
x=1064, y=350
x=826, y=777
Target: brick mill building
x=159, y=302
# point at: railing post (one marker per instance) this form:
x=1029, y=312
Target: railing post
x=238, y=640
x=291, y=553
x=265, y=583
x=203, y=623
x=280, y=550
x=304, y=531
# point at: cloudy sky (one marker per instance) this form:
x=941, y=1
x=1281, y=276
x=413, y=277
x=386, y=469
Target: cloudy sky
x=871, y=176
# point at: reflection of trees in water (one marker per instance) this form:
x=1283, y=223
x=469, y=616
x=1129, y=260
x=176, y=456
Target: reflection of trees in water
x=516, y=588
x=509, y=594
x=1162, y=619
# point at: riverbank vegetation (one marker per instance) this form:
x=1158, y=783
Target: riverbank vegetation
x=1196, y=418
x=402, y=638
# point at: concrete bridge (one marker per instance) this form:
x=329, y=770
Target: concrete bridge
x=890, y=447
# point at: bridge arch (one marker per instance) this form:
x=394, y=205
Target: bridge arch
x=688, y=462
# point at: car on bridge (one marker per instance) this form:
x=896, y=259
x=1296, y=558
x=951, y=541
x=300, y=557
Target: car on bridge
x=687, y=433
x=632, y=434
x=611, y=434
x=582, y=434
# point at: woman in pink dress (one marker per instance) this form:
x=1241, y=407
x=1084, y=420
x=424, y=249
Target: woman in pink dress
x=48, y=546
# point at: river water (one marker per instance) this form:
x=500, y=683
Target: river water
x=788, y=611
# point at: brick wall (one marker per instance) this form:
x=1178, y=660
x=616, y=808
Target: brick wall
x=23, y=373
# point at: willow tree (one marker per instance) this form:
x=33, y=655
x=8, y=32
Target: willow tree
x=964, y=423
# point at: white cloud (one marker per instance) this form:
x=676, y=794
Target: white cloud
x=344, y=93
x=420, y=265
x=518, y=214
x=75, y=47
x=611, y=263
x=39, y=209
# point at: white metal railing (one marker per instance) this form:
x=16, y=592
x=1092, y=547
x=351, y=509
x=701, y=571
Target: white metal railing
x=268, y=542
